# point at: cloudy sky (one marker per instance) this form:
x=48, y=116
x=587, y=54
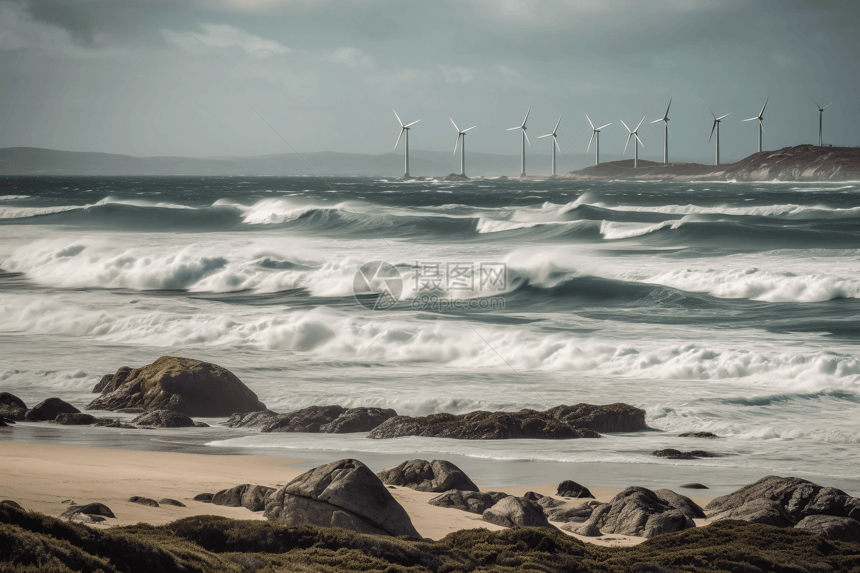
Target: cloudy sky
x=160, y=77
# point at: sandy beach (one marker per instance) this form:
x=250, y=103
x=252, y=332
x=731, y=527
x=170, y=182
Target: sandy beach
x=42, y=477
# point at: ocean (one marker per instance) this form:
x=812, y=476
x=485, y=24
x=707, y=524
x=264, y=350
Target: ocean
x=719, y=306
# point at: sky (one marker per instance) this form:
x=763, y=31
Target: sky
x=160, y=77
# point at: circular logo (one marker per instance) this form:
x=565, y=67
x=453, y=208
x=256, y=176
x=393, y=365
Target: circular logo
x=377, y=285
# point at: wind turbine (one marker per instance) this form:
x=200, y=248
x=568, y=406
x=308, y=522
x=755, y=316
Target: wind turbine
x=665, y=120
x=461, y=134
x=716, y=126
x=634, y=134
x=595, y=136
x=404, y=128
x=525, y=138
x=821, y=123
x=760, y=118
x=554, y=142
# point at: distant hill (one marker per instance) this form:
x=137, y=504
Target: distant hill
x=37, y=161
x=801, y=163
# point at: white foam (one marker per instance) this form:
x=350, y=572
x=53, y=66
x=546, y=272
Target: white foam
x=13, y=197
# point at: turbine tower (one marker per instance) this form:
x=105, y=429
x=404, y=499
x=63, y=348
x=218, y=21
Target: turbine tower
x=525, y=138
x=461, y=135
x=404, y=128
x=595, y=136
x=716, y=126
x=665, y=120
x=634, y=134
x=554, y=136
x=760, y=118
x=821, y=123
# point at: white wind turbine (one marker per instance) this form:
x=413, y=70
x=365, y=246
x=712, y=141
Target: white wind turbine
x=525, y=138
x=554, y=136
x=665, y=120
x=716, y=126
x=634, y=134
x=760, y=118
x=821, y=123
x=595, y=137
x=404, y=128
x=461, y=134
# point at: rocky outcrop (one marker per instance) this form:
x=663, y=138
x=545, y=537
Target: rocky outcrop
x=705, y=435
x=783, y=501
x=569, y=488
x=471, y=501
x=79, y=419
x=143, y=501
x=561, y=422
x=358, y=420
x=12, y=407
x=173, y=502
x=342, y=494
x=249, y=496
x=251, y=419
x=307, y=420
x=112, y=423
x=832, y=527
x=514, y=511
x=110, y=382
x=204, y=497
x=11, y=503
x=89, y=513
x=421, y=475
x=49, y=409
x=672, y=454
x=184, y=385
x=164, y=419
x=570, y=512
x=641, y=512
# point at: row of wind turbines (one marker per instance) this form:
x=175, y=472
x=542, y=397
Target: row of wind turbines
x=632, y=135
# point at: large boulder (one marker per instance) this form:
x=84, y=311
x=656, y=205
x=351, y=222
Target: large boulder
x=673, y=454
x=49, y=409
x=12, y=407
x=307, y=420
x=249, y=496
x=796, y=497
x=110, y=382
x=569, y=512
x=184, y=385
x=421, y=475
x=358, y=420
x=342, y=494
x=471, y=501
x=641, y=512
x=89, y=513
x=251, y=419
x=608, y=418
x=832, y=527
x=79, y=419
x=164, y=419
x=143, y=501
x=514, y=511
x=569, y=488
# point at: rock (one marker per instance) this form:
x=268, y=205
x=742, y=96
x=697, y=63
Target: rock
x=49, y=409
x=110, y=382
x=184, y=385
x=548, y=502
x=514, y=511
x=693, y=486
x=421, y=475
x=173, y=502
x=11, y=503
x=569, y=513
x=586, y=530
x=164, y=419
x=456, y=177
x=143, y=501
x=78, y=419
x=641, y=512
x=204, y=497
x=112, y=423
x=532, y=496
x=86, y=518
x=358, y=420
x=569, y=488
x=471, y=501
x=306, y=420
x=201, y=425
x=3, y=423
x=682, y=503
x=252, y=497
x=706, y=435
x=672, y=454
x=12, y=407
x=795, y=497
x=340, y=494
x=830, y=527
x=607, y=418
x=68, y=502
x=251, y=419
x=92, y=509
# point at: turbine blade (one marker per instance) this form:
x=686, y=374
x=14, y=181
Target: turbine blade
x=626, y=144
x=640, y=125
x=590, y=140
x=398, y=118
x=639, y=140
x=468, y=128
x=828, y=105
x=527, y=136
x=513, y=128
x=816, y=104
x=712, y=112
x=554, y=140
x=602, y=126
x=402, y=129
x=556, y=124
x=589, y=121
x=455, y=125
x=542, y=136
x=625, y=125
x=457, y=142
x=762, y=126
x=713, y=127
x=761, y=113
x=667, y=108
x=750, y=119
x=527, y=116
x=411, y=124
x=656, y=120
x=724, y=116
